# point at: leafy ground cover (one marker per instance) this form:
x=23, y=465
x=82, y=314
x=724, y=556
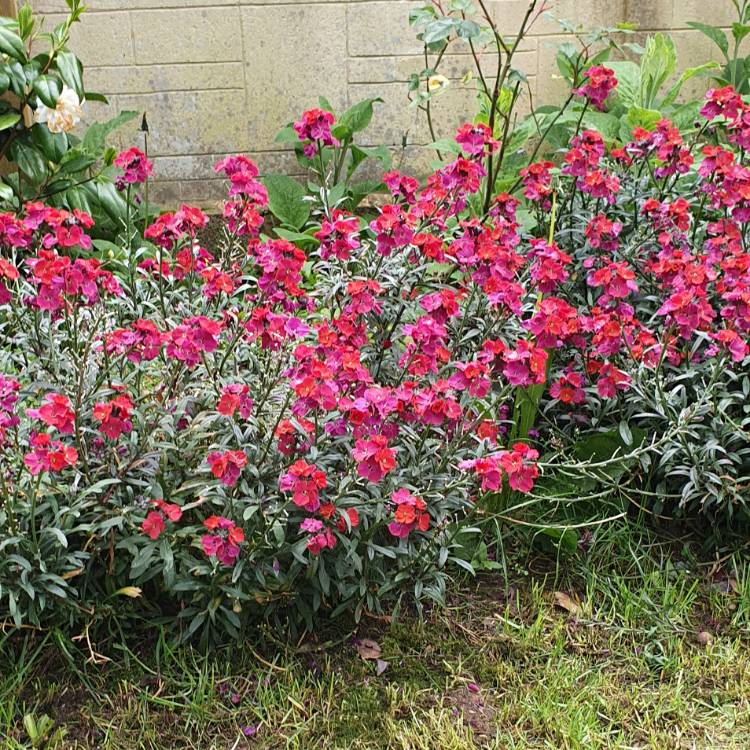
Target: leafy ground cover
x=643, y=652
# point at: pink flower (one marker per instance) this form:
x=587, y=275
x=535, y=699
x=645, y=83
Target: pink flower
x=525, y=365
x=568, y=388
x=374, y=457
x=136, y=167
x=338, y=236
x=611, y=380
x=224, y=541
x=518, y=464
x=191, y=337
x=114, y=416
x=410, y=514
x=155, y=522
x=49, y=455
x=600, y=82
x=304, y=481
x=476, y=140
x=315, y=127
x=227, y=465
x=57, y=412
x=233, y=397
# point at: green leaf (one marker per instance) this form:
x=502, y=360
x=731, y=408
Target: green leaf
x=286, y=200
x=644, y=118
x=54, y=146
x=740, y=31
x=11, y=44
x=70, y=69
x=716, y=35
x=356, y=118
x=603, y=122
x=30, y=160
x=48, y=90
x=4, y=81
x=6, y=193
x=657, y=65
x=687, y=74
x=287, y=135
x=296, y=238
x=93, y=96
x=324, y=104
x=111, y=201
x=628, y=82
x=95, y=140
x=438, y=31
x=8, y=120
x=564, y=540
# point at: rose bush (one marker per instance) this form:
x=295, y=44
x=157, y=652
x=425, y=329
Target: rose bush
x=260, y=430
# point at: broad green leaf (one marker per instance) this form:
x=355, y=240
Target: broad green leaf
x=716, y=35
x=11, y=44
x=287, y=135
x=438, y=31
x=69, y=67
x=8, y=120
x=48, y=90
x=112, y=202
x=95, y=140
x=687, y=74
x=606, y=124
x=628, y=76
x=54, y=146
x=355, y=119
x=740, y=31
x=30, y=160
x=657, y=65
x=286, y=200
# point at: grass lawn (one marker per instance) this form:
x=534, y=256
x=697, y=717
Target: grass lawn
x=607, y=650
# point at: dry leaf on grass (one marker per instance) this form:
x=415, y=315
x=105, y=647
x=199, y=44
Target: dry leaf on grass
x=368, y=649
x=563, y=601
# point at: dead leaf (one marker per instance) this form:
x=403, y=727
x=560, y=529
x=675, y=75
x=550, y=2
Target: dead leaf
x=563, y=601
x=368, y=649
x=381, y=666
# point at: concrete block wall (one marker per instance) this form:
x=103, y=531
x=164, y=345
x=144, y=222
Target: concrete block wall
x=224, y=76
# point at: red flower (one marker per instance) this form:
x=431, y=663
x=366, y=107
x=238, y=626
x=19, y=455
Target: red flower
x=600, y=81
x=191, y=337
x=48, y=454
x=57, y=412
x=136, y=167
x=153, y=525
x=476, y=140
x=304, y=481
x=611, y=380
x=114, y=416
x=518, y=464
x=224, y=541
x=374, y=457
x=227, y=465
x=233, y=397
x=410, y=514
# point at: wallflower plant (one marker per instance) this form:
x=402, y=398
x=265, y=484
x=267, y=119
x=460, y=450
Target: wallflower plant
x=276, y=427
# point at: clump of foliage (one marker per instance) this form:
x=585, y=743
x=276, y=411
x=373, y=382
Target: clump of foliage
x=44, y=98
x=325, y=418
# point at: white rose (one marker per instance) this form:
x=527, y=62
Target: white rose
x=66, y=114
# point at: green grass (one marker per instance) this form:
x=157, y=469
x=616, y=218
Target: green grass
x=654, y=654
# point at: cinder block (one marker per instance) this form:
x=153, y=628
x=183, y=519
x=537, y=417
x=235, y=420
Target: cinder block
x=293, y=57
x=382, y=28
x=147, y=79
x=186, y=122
x=187, y=35
x=99, y=39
